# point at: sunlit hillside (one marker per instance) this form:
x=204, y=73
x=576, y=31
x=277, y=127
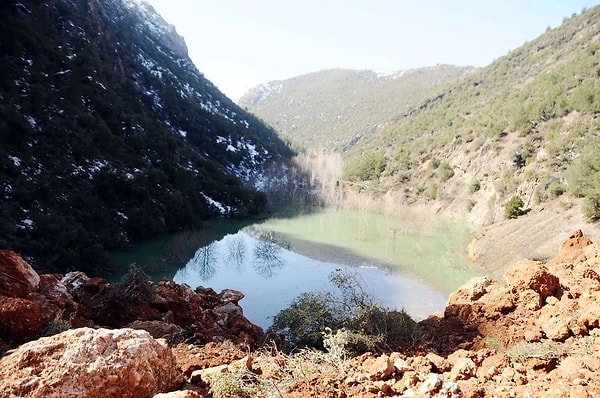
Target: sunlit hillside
x=337, y=108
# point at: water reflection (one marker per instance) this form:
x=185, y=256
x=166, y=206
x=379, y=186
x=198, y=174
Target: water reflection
x=271, y=276
x=204, y=262
x=267, y=253
x=266, y=258
x=236, y=250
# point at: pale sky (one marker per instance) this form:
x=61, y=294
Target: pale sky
x=238, y=44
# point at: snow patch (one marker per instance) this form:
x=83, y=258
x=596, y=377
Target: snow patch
x=223, y=209
x=16, y=161
x=122, y=215
x=26, y=223
x=32, y=122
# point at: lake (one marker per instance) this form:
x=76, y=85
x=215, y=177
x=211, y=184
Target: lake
x=411, y=262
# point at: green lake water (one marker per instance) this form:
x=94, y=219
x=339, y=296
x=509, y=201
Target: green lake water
x=430, y=249
x=411, y=262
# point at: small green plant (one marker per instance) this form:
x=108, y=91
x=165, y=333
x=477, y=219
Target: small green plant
x=335, y=344
x=566, y=205
x=514, y=207
x=135, y=286
x=556, y=189
x=445, y=171
x=432, y=193
x=56, y=325
x=584, y=180
x=233, y=384
x=475, y=186
x=591, y=207
x=493, y=343
x=540, y=349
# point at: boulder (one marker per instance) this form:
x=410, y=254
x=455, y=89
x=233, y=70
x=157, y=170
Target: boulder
x=573, y=249
x=90, y=363
x=20, y=319
x=230, y=296
x=17, y=278
x=531, y=275
x=380, y=368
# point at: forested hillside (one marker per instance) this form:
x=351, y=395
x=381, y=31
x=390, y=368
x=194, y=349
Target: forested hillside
x=523, y=126
x=338, y=108
x=110, y=135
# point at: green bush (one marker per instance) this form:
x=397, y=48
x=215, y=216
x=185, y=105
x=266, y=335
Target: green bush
x=514, y=207
x=584, y=180
x=556, y=189
x=445, y=171
x=475, y=186
x=367, y=325
x=591, y=207
x=369, y=166
x=433, y=191
x=135, y=286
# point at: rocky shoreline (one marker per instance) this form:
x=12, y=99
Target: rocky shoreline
x=536, y=333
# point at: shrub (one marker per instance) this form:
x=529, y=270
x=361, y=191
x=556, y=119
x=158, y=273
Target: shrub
x=591, y=207
x=475, y=186
x=584, y=180
x=366, y=325
x=369, y=166
x=556, y=189
x=135, y=286
x=303, y=321
x=541, y=349
x=57, y=325
x=433, y=191
x=445, y=171
x=514, y=207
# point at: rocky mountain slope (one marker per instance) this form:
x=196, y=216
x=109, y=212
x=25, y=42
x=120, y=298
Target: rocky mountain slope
x=519, y=127
x=536, y=333
x=337, y=108
x=110, y=135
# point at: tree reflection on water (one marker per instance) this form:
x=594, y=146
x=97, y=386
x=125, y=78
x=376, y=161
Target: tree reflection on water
x=236, y=251
x=267, y=254
x=266, y=257
x=205, y=261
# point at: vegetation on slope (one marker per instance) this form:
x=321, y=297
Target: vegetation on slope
x=110, y=135
x=515, y=126
x=337, y=108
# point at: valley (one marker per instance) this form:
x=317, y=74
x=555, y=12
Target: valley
x=139, y=206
